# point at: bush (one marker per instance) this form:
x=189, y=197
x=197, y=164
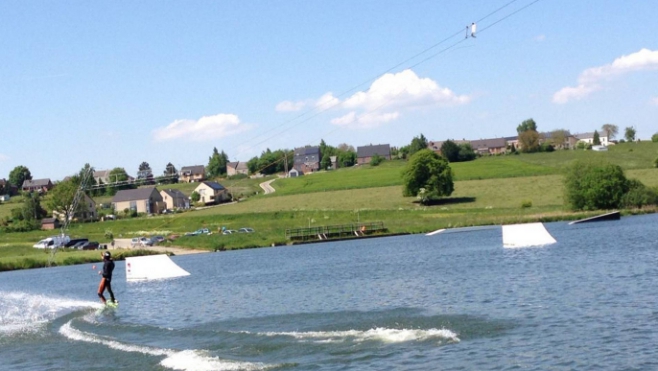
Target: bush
x=376, y=160
x=654, y=138
x=639, y=195
x=526, y=204
x=592, y=186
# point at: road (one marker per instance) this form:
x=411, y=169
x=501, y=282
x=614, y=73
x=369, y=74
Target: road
x=267, y=187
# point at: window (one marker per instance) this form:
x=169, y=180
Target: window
x=133, y=205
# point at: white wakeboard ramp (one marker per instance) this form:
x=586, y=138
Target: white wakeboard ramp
x=152, y=267
x=526, y=235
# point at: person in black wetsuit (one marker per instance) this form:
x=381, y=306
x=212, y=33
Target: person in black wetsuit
x=106, y=280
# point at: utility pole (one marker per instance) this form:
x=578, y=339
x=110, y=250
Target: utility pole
x=285, y=163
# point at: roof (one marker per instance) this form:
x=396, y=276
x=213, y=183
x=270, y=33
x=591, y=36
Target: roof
x=549, y=134
x=101, y=173
x=133, y=194
x=36, y=183
x=584, y=135
x=173, y=193
x=196, y=169
x=49, y=220
x=489, y=143
x=237, y=165
x=303, y=151
x=214, y=185
x=436, y=146
x=369, y=151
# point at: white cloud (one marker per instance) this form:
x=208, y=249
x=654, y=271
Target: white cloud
x=288, y=106
x=327, y=101
x=366, y=120
x=344, y=120
x=540, y=38
x=590, y=80
x=203, y=129
x=404, y=90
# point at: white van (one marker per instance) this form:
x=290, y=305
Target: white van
x=52, y=242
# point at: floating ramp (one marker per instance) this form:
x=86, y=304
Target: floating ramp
x=152, y=267
x=463, y=229
x=615, y=215
x=526, y=235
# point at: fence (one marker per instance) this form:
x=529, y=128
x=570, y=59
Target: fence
x=335, y=231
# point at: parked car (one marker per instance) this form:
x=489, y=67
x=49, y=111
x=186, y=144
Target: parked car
x=75, y=241
x=110, y=217
x=78, y=245
x=52, y=242
x=90, y=245
x=230, y=231
x=246, y=230
x=198, y=232
x=141, y=241
x=157, y=239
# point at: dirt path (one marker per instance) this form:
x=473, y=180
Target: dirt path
x=124, y=243
x=267, y=187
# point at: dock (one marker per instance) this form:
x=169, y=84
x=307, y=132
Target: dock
x=614, y=215
x=330, y=232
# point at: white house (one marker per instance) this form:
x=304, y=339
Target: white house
x=589, y=138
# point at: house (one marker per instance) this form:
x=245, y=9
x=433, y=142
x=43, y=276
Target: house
x=191, y=174
x=436, y=146
x=235, y=168
x=102, y=177
x=86, y=211
x=211, y=193
x=9, y=188
x=175, y=199
x=334, y=162
x=589, y=138
x=142, y=200
x=294, y=173
x=307, y=159
x=49, y=223
x=364, y=154
x=38, y=185
x=568, y=140
x=492, y=146
x=512, y=141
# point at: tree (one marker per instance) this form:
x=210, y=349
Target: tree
x=145, y=174
x=169, y=175
x=376, y=159
x=526, y=125
x=428, y=174
x=592, y=186
x=466, y=152
x=610, y=130
x=195, y=196
x=529, y=141
x=346, y=158
x=596, y=140
x=252, y=165
x=31, y=209
x=654, y=138
x=417, y=143
x=61, y=197
x=629, y=134
x=326, y=162
x=118, y=181
x=450, y=151
x=18, y=175
x=217, y=164
x=558, y=137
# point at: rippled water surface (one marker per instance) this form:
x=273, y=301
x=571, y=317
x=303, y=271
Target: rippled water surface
x=457, y=301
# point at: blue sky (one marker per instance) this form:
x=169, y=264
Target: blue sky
x=116, y=83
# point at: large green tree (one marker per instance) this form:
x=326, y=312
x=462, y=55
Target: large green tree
x=427, y=174
x=594, y=185
x=118, y=180
x=610, y=130
x=597, y=139
x=629, y=134
x=526, y=125
x=529, y=141
x=61, y=198
x=216, y=164
x=18, y=175
x=450, y=150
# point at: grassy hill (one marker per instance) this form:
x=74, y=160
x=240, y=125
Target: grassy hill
x=489, y=190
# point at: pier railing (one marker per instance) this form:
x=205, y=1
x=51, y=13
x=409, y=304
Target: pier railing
x=335, y=231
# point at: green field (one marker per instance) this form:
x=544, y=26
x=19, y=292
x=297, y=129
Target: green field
x=489, y=190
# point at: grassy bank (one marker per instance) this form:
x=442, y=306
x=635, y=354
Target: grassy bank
x=488, y=191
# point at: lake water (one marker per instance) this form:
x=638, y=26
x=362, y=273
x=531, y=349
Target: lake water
x=456, y=301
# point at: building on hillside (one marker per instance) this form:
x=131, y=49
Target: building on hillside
x=307, y=159
x=294, y=173
x=37, y=185
x=142, y=200
x=235, y=168
x=494, y=146
x=175, y=199
x=589, y=138
x=49, y=224
x=211, y=193
x=568, y=142
x=436, y=146
x=365, y=153
x=191, y=174
x=102, y=176
x=86, y=211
